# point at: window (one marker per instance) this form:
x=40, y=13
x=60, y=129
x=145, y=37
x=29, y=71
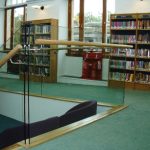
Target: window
x=14, y=2
x=14, y=17
x=89, y=21
x=8, y=29
x=75, y=34
x=93, y=20
x=110, y=10
x=18, y=18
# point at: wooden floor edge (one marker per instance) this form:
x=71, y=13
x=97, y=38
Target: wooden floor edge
x=13, y=147
x=69, y=128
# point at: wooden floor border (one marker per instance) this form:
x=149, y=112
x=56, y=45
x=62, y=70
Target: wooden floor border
x=13, y=147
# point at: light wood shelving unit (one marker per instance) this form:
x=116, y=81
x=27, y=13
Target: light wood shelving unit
x=130, y=67
x=42, y=63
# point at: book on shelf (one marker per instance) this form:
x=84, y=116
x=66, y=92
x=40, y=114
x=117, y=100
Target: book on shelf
x=46, y=37
x=142, y=78
x=143, y=52
x=143, y=65
x=144, y=37
x=118, y=52
x=42, y=29
x=130, y=52
x=123, y=52
x=27, y=39
x=41, y=71
x=117, y=76
x=120, y=64
x=42, y=60
x=144, y=24
x=130, y=64
x=129, y=77
x=123, y=24
x=27, y=29
x=123, y=39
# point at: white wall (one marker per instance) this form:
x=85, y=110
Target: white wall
x=72, y=66
x=1, y=27
x=4, y=68
x=41, y=108
x=2, y=22
x=132, y=6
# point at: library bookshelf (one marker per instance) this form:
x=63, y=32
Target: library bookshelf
x=42, y=62
x=130, y=67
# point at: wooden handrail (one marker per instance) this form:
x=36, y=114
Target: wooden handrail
x=10, y=55
x=79, y=43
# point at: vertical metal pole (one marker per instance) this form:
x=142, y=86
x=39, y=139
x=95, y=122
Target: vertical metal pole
x=24, y=73
x=28, y=43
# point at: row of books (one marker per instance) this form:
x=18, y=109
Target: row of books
x=142, y=78
x=123, y=39
x=144, y=16
x=123, y=16
x=35, y=60
x=27, y=29
x=122, y=64
x=118, y=52
x=40, y=60
x=117, y=76
x=143, y=52
x=36, y=29
x=130, y=52
x=129, y=77
x=123, y=24
x=145, y=65
x=144, y=24
x=42, y=29
x=144, y=38
x=130, y=64
x=47, y=37
x=39, y=51
x=139, y=77
x=123, y=52
x=131, y=24
x=38, y=71
x=28, y=39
